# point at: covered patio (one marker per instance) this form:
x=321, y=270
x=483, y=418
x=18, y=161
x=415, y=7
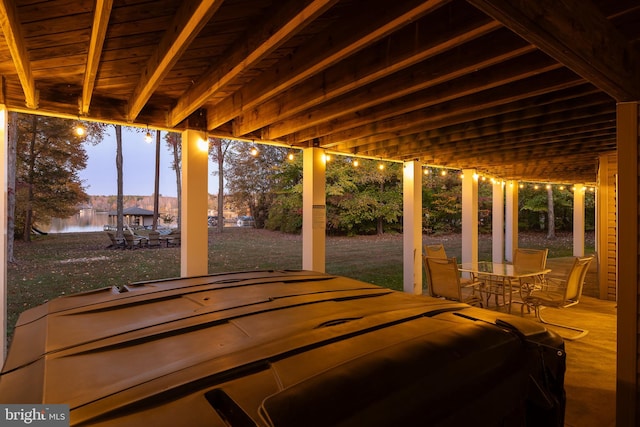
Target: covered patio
x=533, y=91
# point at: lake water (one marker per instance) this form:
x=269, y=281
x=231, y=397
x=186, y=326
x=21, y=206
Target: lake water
x=83, y=221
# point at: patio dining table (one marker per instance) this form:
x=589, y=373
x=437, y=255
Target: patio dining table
x=499, y=278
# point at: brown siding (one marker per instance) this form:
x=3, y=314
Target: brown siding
x=607, y=242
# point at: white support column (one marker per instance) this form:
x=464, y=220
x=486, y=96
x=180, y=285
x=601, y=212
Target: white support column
x=511, y=220
x=3, y=230
x=194, y=246
x=578, y=220
x=469, y=215
x=497, y=223
x=314, y=210
x=412, y=227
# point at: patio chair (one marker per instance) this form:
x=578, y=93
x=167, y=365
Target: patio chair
x=115, y=242
x=435, y=250
x=557, y=293
x=154, y=239
x=132, y=241
x=530, y=259
x=173, y=238
x=445, y=282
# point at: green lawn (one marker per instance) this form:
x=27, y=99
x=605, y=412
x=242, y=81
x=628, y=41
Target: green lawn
x=59, y=264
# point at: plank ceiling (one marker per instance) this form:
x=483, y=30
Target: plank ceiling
x=517, y=89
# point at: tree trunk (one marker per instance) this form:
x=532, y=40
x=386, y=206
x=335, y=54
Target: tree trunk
x=380, y=222
x=551, y=222
x=176, y=167
x=28, y=217
x=120, y=196
x=11, y=183
x=156, y=189
x=220, y=185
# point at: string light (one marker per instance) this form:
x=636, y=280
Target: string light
x=203, y=145
x=147, y=137
x=80, y=131
x=355, y=163
x=254, y=151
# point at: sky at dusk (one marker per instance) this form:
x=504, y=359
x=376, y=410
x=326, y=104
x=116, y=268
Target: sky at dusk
x=100, y=177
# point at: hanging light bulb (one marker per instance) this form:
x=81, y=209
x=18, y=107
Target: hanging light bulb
x=381, y=166
x=79, y=129
x=254, y=151
x=355, y=163
x=147, y=137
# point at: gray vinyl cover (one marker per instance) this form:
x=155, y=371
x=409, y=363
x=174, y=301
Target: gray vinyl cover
x=282, y=348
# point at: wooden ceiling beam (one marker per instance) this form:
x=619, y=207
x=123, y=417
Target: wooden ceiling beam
x=275, y=30
x=447, y=65
x=101, y=16
x=517, y=142
x=492, y=138
x=395, y=116
x=190, y=18
x=552, y=148
x=341, y=41
x=531, y=118
x=13, y=34
x=575, y=33
x=441, y=117
x=401, y=94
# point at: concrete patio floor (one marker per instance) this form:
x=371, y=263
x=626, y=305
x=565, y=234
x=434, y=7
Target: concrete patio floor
x=590, y=380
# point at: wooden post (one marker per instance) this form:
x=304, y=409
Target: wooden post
x=628, y=250
x=578, y=220
x=497, y=223
x=194, y=235
x=412, y=227
x=511, y=221
x=314, y=210
x=4, y=119
x=469, y=215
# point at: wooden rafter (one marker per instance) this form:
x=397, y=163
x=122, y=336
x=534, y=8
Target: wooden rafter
x=340, y=43
x=263, y=40
x=345, y=116
x=189, y=20
x=98, y=32
x=443, y=67
x=15, y=41
x=575, y=33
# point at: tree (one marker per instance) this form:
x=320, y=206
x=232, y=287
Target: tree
x=251, y=178
x=48, y=156
x=11, y=183
x=174, y=141
x=551, y=221
x=442, y=202
x=120, y=185
x=156, y=185
x=218, y=148
x=363, y=199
